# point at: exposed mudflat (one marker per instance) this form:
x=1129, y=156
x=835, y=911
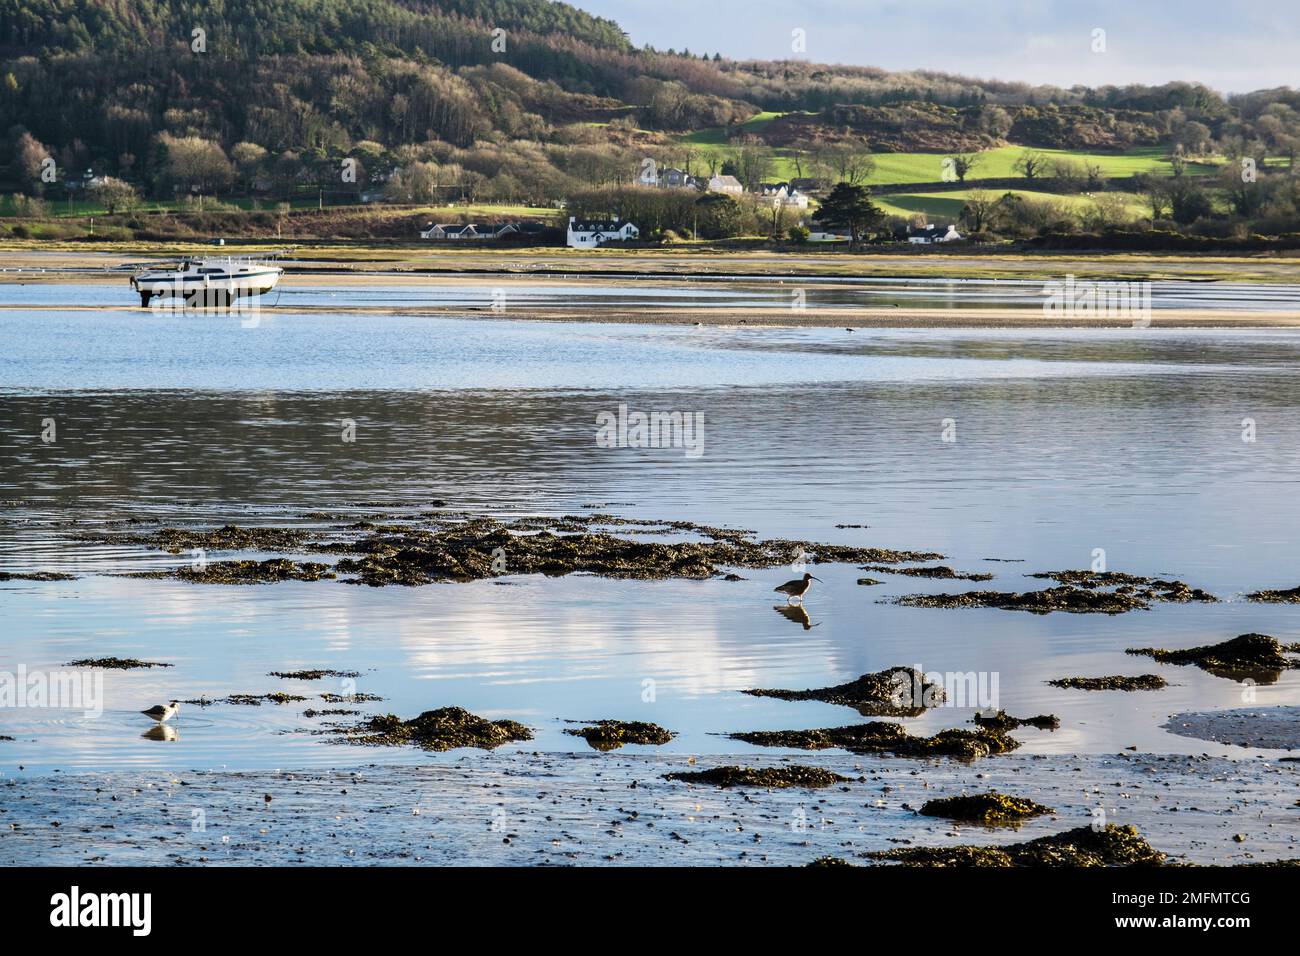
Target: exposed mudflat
x=515, y=808
x=1276, y=728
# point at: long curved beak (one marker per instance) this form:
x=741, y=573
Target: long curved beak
x=815, y=578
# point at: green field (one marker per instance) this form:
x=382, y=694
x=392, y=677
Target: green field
x=1000, y=164
x=945, y=208
x=996, y=163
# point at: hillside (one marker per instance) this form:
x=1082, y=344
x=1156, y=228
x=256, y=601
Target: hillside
x=529, y=101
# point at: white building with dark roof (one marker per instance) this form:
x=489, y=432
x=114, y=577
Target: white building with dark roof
x=595, y=233
x=456, y=230
x=926, y=235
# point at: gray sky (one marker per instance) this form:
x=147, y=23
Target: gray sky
x=1231, y=45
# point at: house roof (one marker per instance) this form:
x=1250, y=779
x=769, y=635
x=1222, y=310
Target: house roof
x=725, y=180
x=453, y=228
x=599, y=225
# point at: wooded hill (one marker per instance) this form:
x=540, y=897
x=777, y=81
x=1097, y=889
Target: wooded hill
x=504, y=100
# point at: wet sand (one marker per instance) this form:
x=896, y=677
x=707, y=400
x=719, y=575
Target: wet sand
x=771, y=316
x=519, y=808
x=682, y=261
x=871, y=318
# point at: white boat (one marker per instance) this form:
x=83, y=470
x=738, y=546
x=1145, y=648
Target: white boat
x=207, y=282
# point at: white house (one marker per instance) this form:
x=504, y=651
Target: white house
x=926, y=235
x=592, y=235
x=726, y=184
x=782, y=194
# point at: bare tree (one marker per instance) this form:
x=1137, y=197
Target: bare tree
x=1032, y=164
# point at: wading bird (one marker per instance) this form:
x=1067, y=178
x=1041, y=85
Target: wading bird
x=797, y=588
x=160, y=712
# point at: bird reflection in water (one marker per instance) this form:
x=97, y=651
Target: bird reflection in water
x=796, y=613
x=161, y=732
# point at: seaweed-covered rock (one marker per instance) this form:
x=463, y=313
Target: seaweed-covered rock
x=1113, y=682
x=931, y=571
x=1077, y=592
x=36, y=576
x=313, y=674
x=1069, y=599
x=1150, y=589
x=1004, y=721
x=1284, y=596
x=115, y=663
x=246, y=572
x=467, y=552
x=769, y=777
x=883, y=737
x=446, y=728
x=1247, y=655
x=227, y=538
x=988, y=808
x=831, y=861
x=256, y=700
x=895, y=692
x=1105, y=846
x=606, y=735
x=466, y=547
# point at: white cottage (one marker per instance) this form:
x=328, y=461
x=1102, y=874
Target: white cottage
x=926, y=235
x=591, y=235
x=726, y=184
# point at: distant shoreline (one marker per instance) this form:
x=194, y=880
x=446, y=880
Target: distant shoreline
x=872, y=318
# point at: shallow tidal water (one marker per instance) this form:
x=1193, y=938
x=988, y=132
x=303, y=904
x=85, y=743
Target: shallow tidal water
x=1066, y=441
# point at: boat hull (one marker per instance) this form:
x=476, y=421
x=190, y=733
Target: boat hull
x=213, y=290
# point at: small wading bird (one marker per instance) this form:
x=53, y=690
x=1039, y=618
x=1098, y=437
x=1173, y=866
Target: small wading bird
x=797, y=588
x=161, y=713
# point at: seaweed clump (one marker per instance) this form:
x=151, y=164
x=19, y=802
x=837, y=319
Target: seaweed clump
x=1284, y=596
x=895, y=692
x=269, y=571
x=883, y=737
x=606, y=735
x=988, y=808
x=446, y=728
x=1114, y=682
x=36, y=576
x=256, y=700
x=932, y=571
x=1150, y=589
x=1110, y=845
x=1077, y=592
x=1004, y=721
x=115, y=663
x=468, y=551
x=315, y=674
x=227, y=538
x=769, y=777
x=1254, y=655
